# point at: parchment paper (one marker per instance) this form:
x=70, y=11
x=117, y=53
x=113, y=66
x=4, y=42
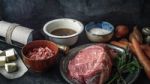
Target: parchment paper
x=21, y=34
x=3, y=28
x=22, y=69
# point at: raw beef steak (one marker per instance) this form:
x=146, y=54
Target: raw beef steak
x=89, y=62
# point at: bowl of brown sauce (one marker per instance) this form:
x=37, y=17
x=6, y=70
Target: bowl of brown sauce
x=63, y=31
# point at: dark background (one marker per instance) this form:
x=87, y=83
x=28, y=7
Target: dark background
x=35, y=13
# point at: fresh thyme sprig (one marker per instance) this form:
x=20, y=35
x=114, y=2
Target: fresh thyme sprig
x=124, y=63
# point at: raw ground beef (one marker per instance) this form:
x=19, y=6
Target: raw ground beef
x=40, y=53
x=90, y=61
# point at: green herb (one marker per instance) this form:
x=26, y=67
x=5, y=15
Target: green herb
x=124, y=64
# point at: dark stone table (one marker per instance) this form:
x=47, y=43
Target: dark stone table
x=53, y=76
x=35, y=13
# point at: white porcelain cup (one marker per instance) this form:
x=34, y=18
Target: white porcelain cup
x=63, y=23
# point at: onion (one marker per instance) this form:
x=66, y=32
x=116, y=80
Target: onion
x=121, y=31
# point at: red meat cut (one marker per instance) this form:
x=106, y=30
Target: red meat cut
x=40, y=53
x=89, y=62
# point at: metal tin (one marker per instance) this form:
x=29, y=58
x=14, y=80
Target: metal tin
x=146, y=30
x=147, y=39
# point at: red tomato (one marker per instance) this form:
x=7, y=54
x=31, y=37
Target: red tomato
x=121, y=31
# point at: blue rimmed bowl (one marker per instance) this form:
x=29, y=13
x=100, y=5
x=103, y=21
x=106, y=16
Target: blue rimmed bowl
x=103, y=31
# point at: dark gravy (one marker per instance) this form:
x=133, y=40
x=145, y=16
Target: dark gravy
x=63, y=32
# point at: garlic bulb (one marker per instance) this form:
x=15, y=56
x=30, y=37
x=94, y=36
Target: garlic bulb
x=146, y=30
x=147, y=39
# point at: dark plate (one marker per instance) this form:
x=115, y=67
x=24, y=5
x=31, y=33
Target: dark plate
x=130, y=78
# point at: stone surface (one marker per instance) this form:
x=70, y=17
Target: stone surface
x=53, y=76
x=35, y=13
x=0, y=9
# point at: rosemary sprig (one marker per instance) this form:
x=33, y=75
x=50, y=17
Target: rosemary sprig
x=123, y=64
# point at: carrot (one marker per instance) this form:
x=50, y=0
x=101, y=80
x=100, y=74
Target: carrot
x=145, y=62
x=136, y=34
x=147, y=53
x=119, y=44
x=102, y=78
x=145, y=47
x=124, y=44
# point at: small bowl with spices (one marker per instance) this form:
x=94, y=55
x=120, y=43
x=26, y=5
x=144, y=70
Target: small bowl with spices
x=39, y=55
x=99, y=32
x=63, y=31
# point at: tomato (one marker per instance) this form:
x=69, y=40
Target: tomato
x=121, y=31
